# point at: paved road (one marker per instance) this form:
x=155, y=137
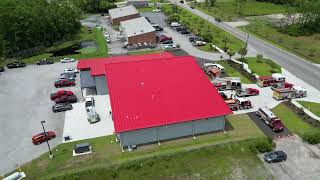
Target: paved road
x=303, y=160
x=24, y=102
x=266, y=129
x=296, y=65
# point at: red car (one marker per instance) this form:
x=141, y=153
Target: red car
x=60, y=93
x=164, y=38
x=64, y=83
x=66, y=99
x=40, y=138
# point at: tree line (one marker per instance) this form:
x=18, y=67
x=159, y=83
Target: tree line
x=28, y=24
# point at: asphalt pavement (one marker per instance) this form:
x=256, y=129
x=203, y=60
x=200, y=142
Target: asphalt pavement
x=25, y=101
x=266, y=129
x=303, y=69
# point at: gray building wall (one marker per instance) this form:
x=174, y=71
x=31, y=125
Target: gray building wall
x=171, y=131
x=101, y=85
x=86, y=80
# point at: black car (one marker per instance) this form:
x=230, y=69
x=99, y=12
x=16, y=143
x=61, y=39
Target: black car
x=44, y=61
x=167, y=42
x=276, y=156
x=59, y=107
x=218, y=19
x=69, y=74
x=181, y=28
x=184, y=32
x=195, y=38
x=16, y=64
x=1, y=69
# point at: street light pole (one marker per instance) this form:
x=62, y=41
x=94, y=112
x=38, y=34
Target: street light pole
x=45, y=134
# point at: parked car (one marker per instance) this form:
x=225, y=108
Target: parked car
x=1, y=69
x=64, y=83
x=157, y=27
x=44, y=61
x=200, y=43
x=93, y=116
x=218, y=19
x=108, y=39
x=67, y=60
x=16, y=64
x=66, y=99
x=156, y=10
x=107, y=35
x=195, y=38
x=164, y=38
x=184, y=32
x=181, y=28
x=275, y=156
x=169, y=46
x=181, y=1
x=71, y=70
x=167, y=42
x=175, y=24
x=61, y=107
x=41, y=137
x=60, y=93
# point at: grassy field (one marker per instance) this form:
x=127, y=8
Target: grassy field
x=232, y=161
x=145, y=52
x=307, y=47
x=265, y=67
x=200, y=26
x=84, y=35
x=291, y=120
x=107, y=153
x=226, y=9
x=232, y=72
x=311, y=106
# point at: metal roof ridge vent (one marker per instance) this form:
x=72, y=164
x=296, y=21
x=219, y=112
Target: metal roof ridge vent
x=142, y=30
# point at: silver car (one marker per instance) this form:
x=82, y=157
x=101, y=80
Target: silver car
x=93, y=116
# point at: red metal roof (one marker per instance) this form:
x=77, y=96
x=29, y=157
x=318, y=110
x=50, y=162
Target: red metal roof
x=96, y=65
x=164, y=91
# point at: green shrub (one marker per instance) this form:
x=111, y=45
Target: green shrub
x=264, y=145
x=312, y=137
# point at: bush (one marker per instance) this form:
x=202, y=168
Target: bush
x=312, y=137
x=264, y=145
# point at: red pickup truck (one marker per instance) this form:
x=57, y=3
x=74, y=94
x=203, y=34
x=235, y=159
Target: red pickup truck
x=164, y=38
x=64, y=83
x=66, y=99
x=60, y=93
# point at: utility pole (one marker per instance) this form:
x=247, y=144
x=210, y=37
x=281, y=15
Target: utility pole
x=45, y=134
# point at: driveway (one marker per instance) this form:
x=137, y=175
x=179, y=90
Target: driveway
x=267, y=130
x=303, y=160
x=77, y=126
x=296, y=65
x=25, y=101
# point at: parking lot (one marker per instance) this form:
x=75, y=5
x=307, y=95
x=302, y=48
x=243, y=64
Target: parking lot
x=77, y=126
x=303, y=160
x=25, y=101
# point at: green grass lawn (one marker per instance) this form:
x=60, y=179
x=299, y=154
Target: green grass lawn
x=232, y=72
x=302, y=46
x=232, y=161
x=207, y=48
x=264, y=68
x=145, y=52
x=108, y=153
x=201, y=26
x=226, y=9
x=311, y=106
x=291, y=120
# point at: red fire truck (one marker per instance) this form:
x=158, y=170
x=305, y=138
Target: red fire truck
x=238, y=104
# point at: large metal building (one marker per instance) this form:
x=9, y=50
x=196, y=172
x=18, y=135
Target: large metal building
x=157, y=97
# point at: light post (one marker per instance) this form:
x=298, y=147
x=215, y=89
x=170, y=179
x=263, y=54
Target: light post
x=45, y=134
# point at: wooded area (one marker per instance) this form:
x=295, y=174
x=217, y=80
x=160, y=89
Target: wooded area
x=34, y=24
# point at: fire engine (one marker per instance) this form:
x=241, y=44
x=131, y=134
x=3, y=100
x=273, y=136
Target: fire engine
x=227, y=83
x=238, y=104
x=247, y=92
x=270, y=119
x=288, y=93
x=265, y=81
